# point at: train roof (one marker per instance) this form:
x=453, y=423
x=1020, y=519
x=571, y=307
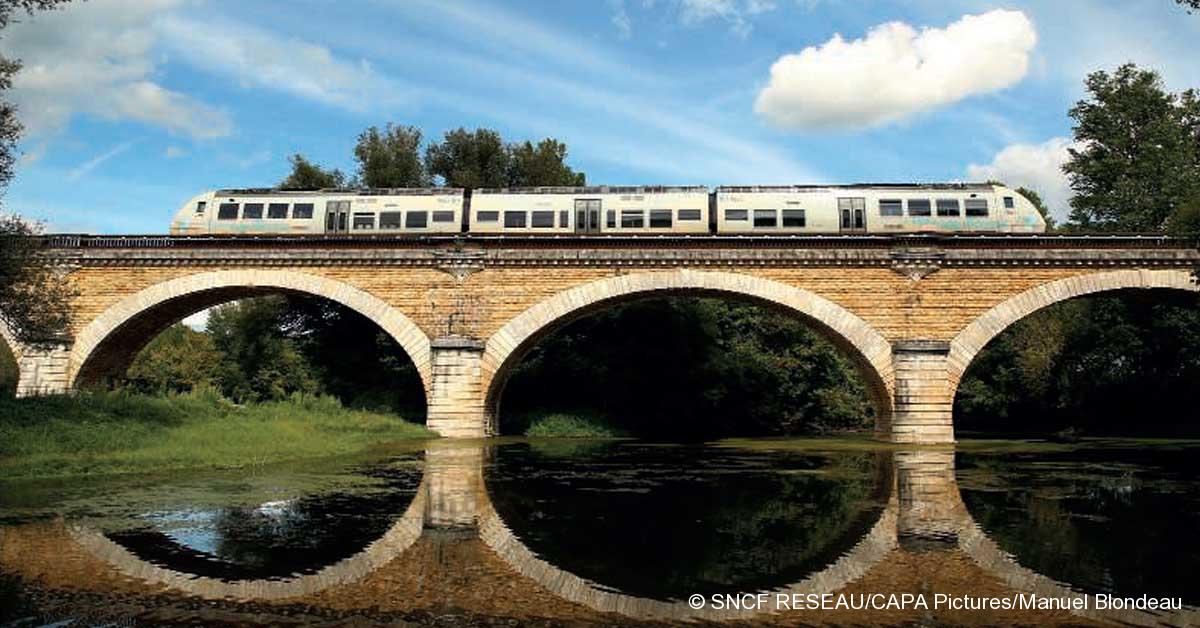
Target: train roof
x=597, y=189
x=963, y=187
x=342, y=192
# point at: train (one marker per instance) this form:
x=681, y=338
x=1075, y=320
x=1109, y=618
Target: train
x=888, y=208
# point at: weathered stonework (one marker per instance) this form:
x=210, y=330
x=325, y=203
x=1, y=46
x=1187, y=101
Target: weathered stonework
x=465, y=310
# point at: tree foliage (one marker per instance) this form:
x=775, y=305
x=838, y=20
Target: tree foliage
x=390, y=158
x=178, y=360
x=481, y=158
x=306, y=175
x=1138, y=158
x=260, y=362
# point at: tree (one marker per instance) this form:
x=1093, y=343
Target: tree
x=1039, y=205
x=468, y=159
x=177, y=360
x=34, y=301
x=1139, y=154
x=260, y=362
x=1190, y=5
x=306, y=175
x=545, y=164
x=390, y=158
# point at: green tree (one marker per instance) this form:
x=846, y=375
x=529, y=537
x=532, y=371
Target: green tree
x=34, y=301
x=544, y=164
x=1139, y=151
x=467, y=159
x=261, y=363
x=390, y=158
x=481, y=159
x=306, y=175
x=1039, y=205
x=177, y=360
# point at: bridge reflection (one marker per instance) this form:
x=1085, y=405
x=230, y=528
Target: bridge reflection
x=923, y=540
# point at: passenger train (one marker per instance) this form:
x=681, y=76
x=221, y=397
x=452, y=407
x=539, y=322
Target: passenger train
x=621, y=211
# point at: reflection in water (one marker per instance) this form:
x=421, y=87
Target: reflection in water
x=651, y=521
x=1116, y=519
x=528, y=531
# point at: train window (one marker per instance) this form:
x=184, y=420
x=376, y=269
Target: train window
x=363, y=221
x=200, y=205
x=389, y=220
x=919, y=207
x=632, y=218
x=303, y=211
x=564, y=218
x=330, y=221
x=737, y=214
x=443, y=216
x=610, y=219
x=488, y=216
x=660, y=218
x=947, y=207
x=542, y=219
x=689, y=214
x=793, y=218
x=252, y=211
x=416, y=219
x=277, y=211
x=514, y=220
x=227, y=211
x=977, y=206
x=1009, y=203
x=891, y=207
x=765, y=218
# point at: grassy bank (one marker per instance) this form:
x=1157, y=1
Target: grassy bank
x=560, y=425
x=103, y=433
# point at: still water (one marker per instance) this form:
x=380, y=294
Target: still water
x=518, y=532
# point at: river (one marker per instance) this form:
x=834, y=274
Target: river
x=619, y=532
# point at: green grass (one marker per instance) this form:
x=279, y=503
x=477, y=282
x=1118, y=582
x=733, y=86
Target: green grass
x=560, y=425
x=118, y=432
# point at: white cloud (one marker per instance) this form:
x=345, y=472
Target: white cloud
x=896, y=71
x=1035, y=166
x=98, y=58
x=257, y=58
x=91, y=164
x=733, y=11
x=620, y=19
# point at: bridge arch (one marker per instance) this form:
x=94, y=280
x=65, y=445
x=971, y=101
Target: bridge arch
x=868, y=349
x=974, y=337
x=10, y=354
x=111, y=340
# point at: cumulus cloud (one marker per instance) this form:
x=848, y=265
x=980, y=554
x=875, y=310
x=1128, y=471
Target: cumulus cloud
x=99, y=58
x=896, y=71
x=1035, y=166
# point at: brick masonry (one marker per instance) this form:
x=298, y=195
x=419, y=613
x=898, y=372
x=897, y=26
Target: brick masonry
x=911, y=318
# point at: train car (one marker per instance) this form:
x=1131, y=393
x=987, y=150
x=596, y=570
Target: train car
x=268, y=211
x=875, y=209
x=625, y=210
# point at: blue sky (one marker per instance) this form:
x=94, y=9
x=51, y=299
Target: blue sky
x=132, y=107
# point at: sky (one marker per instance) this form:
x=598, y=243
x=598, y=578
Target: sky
x=131, y=107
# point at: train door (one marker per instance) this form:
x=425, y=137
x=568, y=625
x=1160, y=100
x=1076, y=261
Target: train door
x=587, y=215
x=337, y=216
x=853, y=215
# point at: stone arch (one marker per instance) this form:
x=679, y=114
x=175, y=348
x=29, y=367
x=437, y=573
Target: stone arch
x=112, y=339
x=11, y=357
x=868, y=349
x=974, y=337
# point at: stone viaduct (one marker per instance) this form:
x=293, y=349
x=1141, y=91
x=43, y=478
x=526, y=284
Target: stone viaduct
x=911, y=312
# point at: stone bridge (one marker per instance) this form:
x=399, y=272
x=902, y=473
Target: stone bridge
x=911, y=312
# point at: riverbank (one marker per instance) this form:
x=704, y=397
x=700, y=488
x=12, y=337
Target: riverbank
x=562, y=425
x=112, y=433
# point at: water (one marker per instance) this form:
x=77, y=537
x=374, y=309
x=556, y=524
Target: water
x=614, y=532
